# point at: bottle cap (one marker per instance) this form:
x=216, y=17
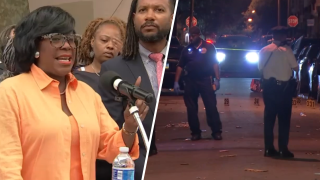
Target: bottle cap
x=124, y=149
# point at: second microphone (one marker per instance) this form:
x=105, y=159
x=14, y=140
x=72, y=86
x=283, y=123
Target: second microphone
x=112, y=81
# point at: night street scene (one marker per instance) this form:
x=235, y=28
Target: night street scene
x=237, y=149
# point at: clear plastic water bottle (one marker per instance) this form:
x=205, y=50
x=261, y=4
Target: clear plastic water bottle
x=123, y=166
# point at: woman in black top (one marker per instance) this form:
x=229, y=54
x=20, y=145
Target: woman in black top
x=101, y=41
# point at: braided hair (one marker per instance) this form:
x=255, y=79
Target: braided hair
x=8, y=60
x=85, y=46
x=4, y=37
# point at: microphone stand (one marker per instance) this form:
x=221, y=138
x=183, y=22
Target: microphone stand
x=134, y=111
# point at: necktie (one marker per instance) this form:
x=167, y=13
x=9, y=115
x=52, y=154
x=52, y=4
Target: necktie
x=157, y=57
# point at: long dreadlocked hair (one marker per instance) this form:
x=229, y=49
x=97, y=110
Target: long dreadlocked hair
x=131, y=46
x=8, y=60
x=85, y=46
x=4, y=37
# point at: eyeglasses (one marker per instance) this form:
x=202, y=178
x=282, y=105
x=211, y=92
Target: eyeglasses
x=58, y=40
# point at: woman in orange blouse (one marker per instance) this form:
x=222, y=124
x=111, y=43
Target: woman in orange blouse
x=53, y=127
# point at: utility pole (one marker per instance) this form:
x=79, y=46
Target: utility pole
x=191, y=13
x=288, y=13
x=278, y=12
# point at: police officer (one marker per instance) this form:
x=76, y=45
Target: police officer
x=276, y=61
x=198, y=63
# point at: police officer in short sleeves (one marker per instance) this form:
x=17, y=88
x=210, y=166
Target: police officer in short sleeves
x=198, y=64
x=277, y=63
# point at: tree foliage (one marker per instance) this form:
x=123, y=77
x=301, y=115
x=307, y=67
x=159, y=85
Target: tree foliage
x=265, y=16
x=214, y=16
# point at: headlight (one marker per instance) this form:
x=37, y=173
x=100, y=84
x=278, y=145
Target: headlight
x=252, y=57
x=221, y=56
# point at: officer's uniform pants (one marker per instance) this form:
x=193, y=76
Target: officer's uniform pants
x=191, y=93
x=278, y=102
x=153, y=141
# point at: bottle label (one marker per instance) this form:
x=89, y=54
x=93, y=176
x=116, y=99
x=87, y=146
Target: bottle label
x=123, y=174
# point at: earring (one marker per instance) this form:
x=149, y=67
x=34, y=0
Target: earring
x=91, y=54
x=37, y=55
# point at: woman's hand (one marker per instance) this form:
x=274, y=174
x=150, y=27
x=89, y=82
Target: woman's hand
x=130, y=123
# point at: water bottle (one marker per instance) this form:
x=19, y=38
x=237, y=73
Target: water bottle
x=123, y=166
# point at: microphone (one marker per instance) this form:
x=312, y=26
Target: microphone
x=112, y=81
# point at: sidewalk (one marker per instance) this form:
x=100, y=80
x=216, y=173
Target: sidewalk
x=180, y=158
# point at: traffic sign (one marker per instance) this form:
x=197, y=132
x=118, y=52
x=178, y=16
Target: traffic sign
x=194, y=21
x=292, y=21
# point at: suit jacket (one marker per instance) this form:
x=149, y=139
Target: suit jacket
x=129, y=70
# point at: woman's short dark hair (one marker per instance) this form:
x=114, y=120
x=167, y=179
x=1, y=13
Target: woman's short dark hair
x=42, y=21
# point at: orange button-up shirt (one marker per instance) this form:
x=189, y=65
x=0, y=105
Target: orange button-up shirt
x=35, y=134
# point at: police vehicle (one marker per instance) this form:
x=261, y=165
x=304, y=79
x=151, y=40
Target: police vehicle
x=237, y=54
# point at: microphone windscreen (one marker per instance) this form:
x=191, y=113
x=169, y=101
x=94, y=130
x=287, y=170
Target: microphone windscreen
x=107, y=79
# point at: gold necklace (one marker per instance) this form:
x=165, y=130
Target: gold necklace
x=95, y=70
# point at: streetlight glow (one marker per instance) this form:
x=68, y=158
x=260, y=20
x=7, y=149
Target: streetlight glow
x=253, y=11
x=250, y=19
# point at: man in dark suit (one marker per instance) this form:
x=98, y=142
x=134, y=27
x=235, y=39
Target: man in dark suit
x=149, y=23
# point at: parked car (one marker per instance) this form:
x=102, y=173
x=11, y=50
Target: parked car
x=316, y=82
x=174, y=53
x=302, y=42
x=309, y=69
x=302, y=54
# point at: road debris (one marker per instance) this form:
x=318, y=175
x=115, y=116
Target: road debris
x=311, y=153
x=231, y=155
x=317, y=174
x=255, y=170
x=238, y=127
x=223, y=151
x=302, y=114
x=221, y=112
x=182, y=124
x=201, y=177
x=297, y=126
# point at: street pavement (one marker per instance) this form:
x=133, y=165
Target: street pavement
x=180, y=158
